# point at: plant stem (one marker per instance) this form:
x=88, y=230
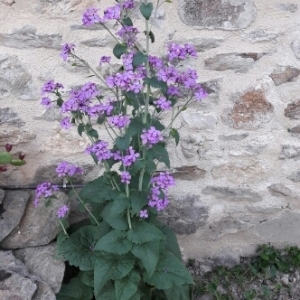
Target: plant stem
x=84, y=205
x=63, y=227
x=128, y=218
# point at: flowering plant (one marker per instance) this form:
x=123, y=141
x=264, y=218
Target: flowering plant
x=125, y=253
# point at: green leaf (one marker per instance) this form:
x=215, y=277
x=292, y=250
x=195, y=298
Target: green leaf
x=78, y=249
x=127, y=286
x=108, y=292
x=146, y=10
x=148, y=253
x=80, y=128
x=139, y=58
x=114, y=242
x=61, y=237
x=143, y=232
x=75, y=290
x=136, y=126
x=138, y=201
x=87, y=277
x=169, y=272
x=101, y=120
x=182, y=292
x=127, y=21
x=158, y=125
x=117, y=221
x=158, y=84
x=93, y=133
x=123, y=142
x=160, y=153
x=112, y=267
x=175, y=135
x=171, y=241
x=5, y=158
x=120, y=204
x=119, y=50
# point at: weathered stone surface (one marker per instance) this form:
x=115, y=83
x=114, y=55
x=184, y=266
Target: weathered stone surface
x=189, y=173
x=250, y=112
x=232, y=194
x=15, y=283
x=51, y=270
x=98, y=42
x=251, y=148
x=39, y=226
x=295, y=131
x=259, y=35
x=239, y=172
x=199, y=120
x=291, y=7
x=92, y=27
x=9, y=117
x=292, y=110
x=284, y=229
x=279, y=190
x=77, y=67
x=225, y=14
x=27, y=38
x=188, y=147
x=14, y=79
x=2, y=195
x=284, y=74
x=11, y=211
x=233, y=137
x=51, y=114
x=43, y=292
x=8, y=2
x=239, y=62
x=290, y=152
x=201, y=44
x=295, y=45
x=186, y=215
x=295, y=177
x=15, y=137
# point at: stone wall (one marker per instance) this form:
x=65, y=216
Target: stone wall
x=237, y=163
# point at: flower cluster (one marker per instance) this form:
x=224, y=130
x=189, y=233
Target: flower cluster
x=177, y=51
x=67, y=169
x=62, y=211
x=130, y=157
x=125, y=177
x=66, y=51
x=49, y=87
x=158, y=196
x=119, y=121
x=44, y=190
x=151, y=136
x=163, y=103
x=100, y=150
x=128, y=35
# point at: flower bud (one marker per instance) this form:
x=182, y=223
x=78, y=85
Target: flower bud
x=8, y=147
x=17, y=162
x=21, y=155
x=3, y=168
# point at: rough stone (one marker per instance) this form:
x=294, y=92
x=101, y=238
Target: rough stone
x=15, y=283
x=212, y=88
x=250, y=112
x=43, y=292
x=238, y=172
x=239, y=62
x=290, y=152
x=232, y=194
x=189, y=173
x=199, y=120
x=15, y=137
x=50, y=271
x=92, y=27
x=279, y=190
x=295, y=45
x=295, y=131
x=292, y=110
x=11, y=211
x=188, y=147
x=14, y=79
x=201, y=44
x=97, y=42
x=295, y=177
x=9, y=117
x=260, y=35
x=39, y=226
x=2, y=195
x=291, y=7
x=233, y=137
x=8, y=2
x=251, y=148
x=51, y=114
x=26, y=38
x=186, y=215
x=283, y=229
x=226, y=14
x=284, y=74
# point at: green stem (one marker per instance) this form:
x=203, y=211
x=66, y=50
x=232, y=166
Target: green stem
x=63, y=227
x=84, y=205
x=128, y=218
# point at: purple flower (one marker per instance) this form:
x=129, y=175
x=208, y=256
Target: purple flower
x=176, y=51
x=125, y=177
x=47, y=102
x=62, y=211
x=66, y=50
x=45, y=190
x=188, y=78
x=127, y=61
x=155, y=62
x=151, y=136
x=128, y=35
x=50, y=86
x=116, y=155
x=100, y=150
x=104, y=59
x=67, y=169
x=128, y=4
x=65, y=123
x=119, y=121
x=163, y=103
x=112, y=13
x=163, y=181
x=173, y=91
x=130, y=157
x=168, y=74
x=199, y=93
x=90, y=16
x=144, y=214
